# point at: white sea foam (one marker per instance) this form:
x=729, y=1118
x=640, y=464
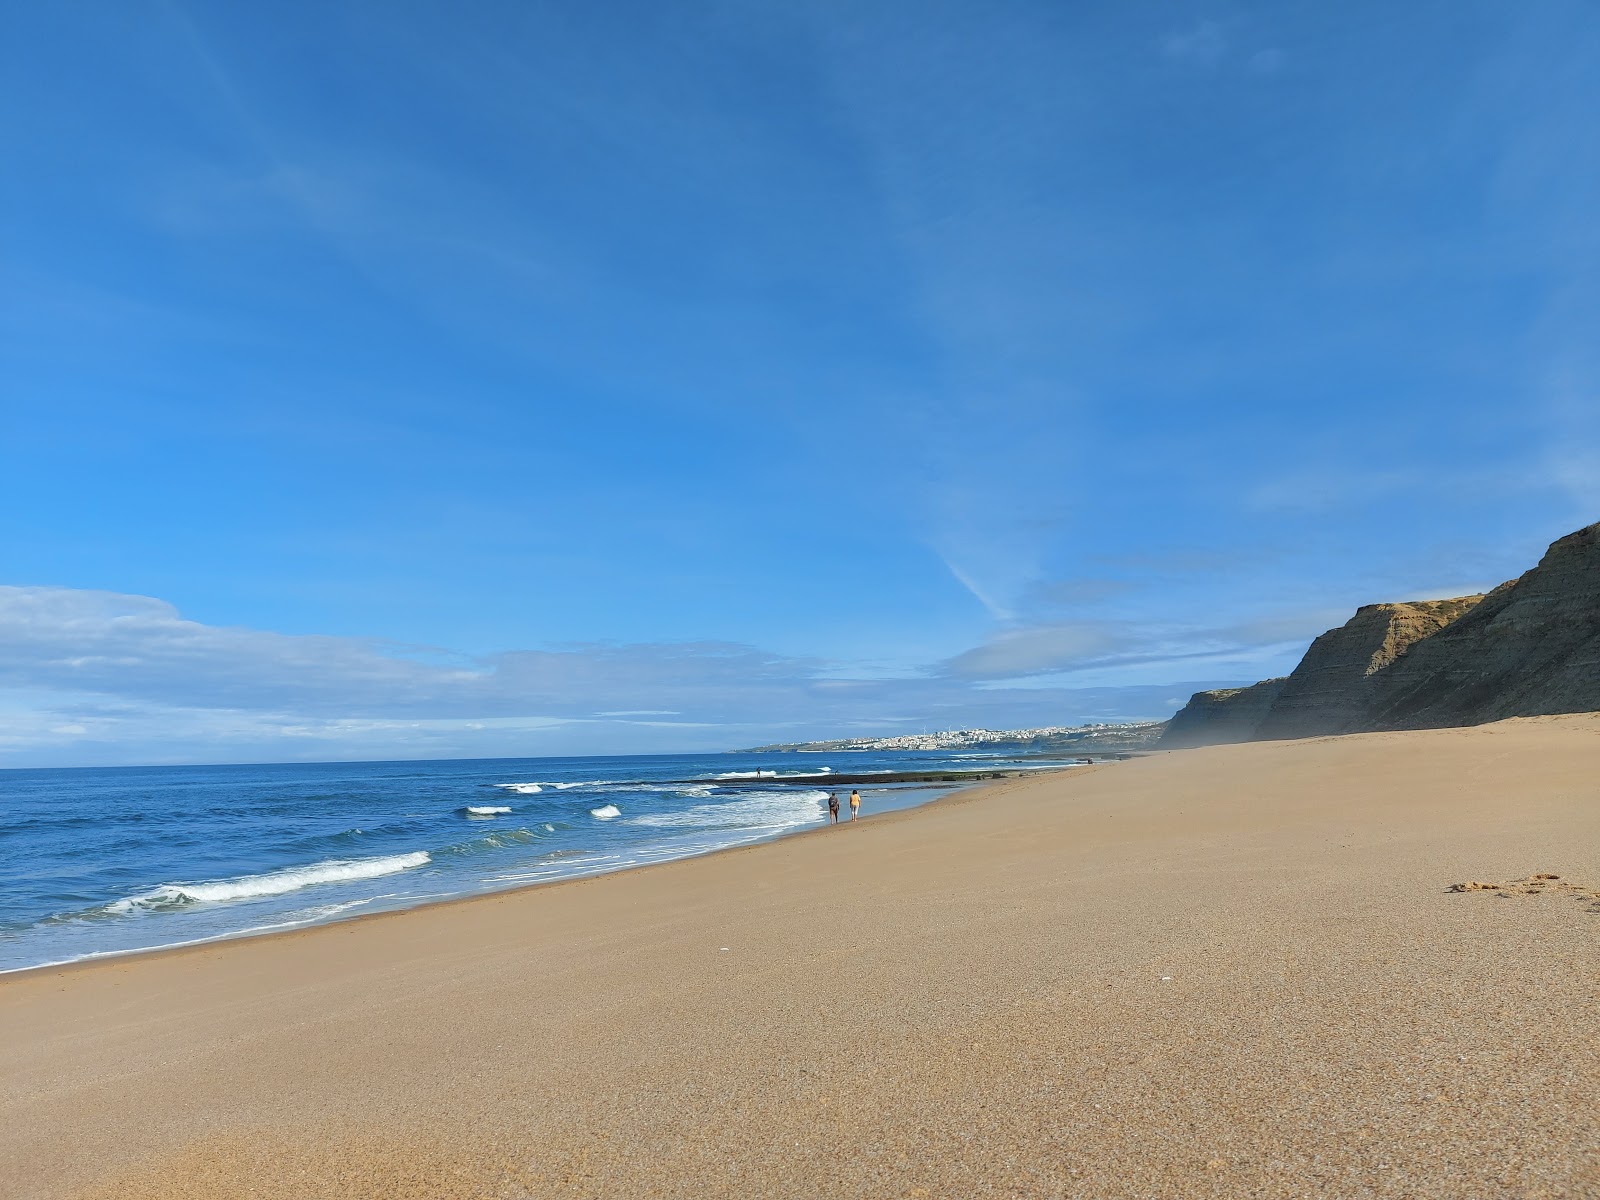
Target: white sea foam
x=485, y=810
x=746, y=775
x=529, y=789
x=306, y=916
x=273, y=883
x=605, y=813
x=768, y=810
x=498, y=840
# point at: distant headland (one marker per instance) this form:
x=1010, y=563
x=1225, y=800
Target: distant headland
x=1528, y=648
x=1104, y=739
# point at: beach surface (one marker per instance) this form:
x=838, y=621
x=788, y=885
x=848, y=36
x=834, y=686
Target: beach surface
x=1224, y=972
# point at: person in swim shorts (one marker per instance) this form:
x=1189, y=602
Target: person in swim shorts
x=855, y=804
x=833, y=808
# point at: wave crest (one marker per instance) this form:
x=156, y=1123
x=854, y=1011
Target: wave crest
x=273, y=883
x=773, y=810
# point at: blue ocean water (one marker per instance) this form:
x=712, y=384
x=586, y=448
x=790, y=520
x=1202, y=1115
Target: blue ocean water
x=97, y=861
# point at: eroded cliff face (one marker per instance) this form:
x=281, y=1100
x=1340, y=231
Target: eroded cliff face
x=1530, y=649
x=1220, y=717
x=1333, y=688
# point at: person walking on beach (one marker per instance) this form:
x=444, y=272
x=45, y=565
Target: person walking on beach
x=855, y=804
x=833, y=808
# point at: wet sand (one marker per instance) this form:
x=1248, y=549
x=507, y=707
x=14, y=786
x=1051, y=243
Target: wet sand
x=1225, y=972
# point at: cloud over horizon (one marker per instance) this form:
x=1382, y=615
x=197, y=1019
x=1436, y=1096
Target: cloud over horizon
x=83, y=672
x=531, y=378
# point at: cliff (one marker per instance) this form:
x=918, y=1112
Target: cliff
x=1531, y=648
x=1333, y=688
x=1217, y=718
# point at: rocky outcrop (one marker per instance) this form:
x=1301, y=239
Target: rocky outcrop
x=1530, y=649
x=1217, y=718
x=1333, y=688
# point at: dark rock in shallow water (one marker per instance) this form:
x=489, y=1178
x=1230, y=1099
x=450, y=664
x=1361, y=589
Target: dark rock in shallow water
x=1220, y=717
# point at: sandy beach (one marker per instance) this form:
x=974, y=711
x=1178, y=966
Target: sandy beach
x=1222, y=972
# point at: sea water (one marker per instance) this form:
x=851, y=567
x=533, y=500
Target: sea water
x=98, y=861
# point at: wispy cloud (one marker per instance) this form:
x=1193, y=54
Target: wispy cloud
x=1329, y=487
x=89, y=676
x=1076, y=593
x=1041, y=648
x=1204, y=43
x=1570, y=401
x=996, y=609
x=1325, y=488
x=1062, y=649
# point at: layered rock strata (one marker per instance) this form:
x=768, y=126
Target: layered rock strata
x=1531, y=647
x=1332, y=689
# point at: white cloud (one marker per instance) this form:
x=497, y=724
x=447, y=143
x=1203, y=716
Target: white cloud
x=1093, y=652
x=995, y=609
x=101, y=677
x=137, y=646
x=1026, y=651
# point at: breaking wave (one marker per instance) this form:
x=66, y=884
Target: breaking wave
x=767, y=810
x=533, y=789
x=273, y=883
x=500, y=839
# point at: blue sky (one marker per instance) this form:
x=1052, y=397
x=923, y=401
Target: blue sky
x=388, y=380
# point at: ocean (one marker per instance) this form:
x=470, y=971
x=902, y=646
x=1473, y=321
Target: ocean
x=102, y=861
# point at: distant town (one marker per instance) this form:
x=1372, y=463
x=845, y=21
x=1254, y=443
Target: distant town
x=1051, y=739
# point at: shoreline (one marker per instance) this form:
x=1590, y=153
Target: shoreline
x=115, y=957
x=1234, y=970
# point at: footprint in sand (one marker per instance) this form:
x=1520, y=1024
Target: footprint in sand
x=1534, y=885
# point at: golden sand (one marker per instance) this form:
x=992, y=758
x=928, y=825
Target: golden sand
x=1227, y=972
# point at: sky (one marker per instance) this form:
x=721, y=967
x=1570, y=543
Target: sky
x=392, y=379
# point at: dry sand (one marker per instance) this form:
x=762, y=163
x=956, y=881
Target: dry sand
x=1225, y=972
